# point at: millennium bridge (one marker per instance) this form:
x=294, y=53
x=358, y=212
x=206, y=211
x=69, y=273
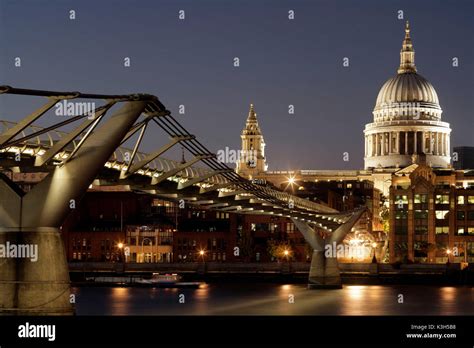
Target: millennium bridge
x=90, y=149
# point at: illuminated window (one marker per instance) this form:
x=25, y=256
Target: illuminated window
x=470, y=230
x=401, y=199
x=442, y=230
x=421, y=214
x=290, y=227
x=421, y=199
x=460, y=230
x=470, y=199
x=460, y=199
x=442, y=199
x=421, y=222
x=441, y=214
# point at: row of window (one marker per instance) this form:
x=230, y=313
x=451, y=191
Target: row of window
x=150, y=241
x=358, y=185
x=423, y=230
x=272, y=227
x=81, y=244
x=222, y=215
x=211, y=243
x=82, y=256
x=439, y=214
x=217, y=256
x=439, y=199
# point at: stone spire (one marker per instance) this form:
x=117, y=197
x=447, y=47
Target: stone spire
x=251, y=126
x=252, y=115
x=407, y=54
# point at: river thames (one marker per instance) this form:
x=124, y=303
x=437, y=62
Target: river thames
x=276, y=299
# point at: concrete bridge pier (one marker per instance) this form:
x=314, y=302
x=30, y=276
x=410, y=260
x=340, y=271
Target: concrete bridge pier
x=324, y=272
x=34, y=287
x=36, y=282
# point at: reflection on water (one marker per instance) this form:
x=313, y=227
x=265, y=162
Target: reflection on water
x=355, y=292
x=448, y=293
x=276, y=299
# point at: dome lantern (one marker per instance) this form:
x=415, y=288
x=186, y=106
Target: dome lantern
x=407, y=54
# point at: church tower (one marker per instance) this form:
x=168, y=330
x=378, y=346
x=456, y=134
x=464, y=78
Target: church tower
x=251, y=159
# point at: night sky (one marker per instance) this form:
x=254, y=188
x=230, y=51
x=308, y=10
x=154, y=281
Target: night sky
x=282, y=62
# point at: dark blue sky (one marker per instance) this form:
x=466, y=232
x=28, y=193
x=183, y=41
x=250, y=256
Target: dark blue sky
x=282, y=62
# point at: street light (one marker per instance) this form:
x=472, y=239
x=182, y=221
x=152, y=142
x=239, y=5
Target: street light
x=448, y=252
x=202, y=253
x=120, y=246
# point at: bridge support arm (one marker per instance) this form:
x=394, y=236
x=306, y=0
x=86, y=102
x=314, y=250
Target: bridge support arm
x=324, y=272
x=40, y=285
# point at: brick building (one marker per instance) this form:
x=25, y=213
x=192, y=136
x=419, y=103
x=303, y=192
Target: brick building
x=431, y=215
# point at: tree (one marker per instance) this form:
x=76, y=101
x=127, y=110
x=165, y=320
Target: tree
x=385, y=218
x=277, y=249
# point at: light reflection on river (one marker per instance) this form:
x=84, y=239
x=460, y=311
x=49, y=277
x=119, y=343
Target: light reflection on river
x=276, y=299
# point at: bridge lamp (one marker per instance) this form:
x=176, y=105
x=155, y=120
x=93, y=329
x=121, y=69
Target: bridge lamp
x=286, y=252
x=291, y=180
x=374, y=245
x=448, y=251
x=120, y=245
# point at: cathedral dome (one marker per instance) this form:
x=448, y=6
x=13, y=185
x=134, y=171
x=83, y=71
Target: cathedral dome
x=407, y=119
x=408, y=87
x=408, y=95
